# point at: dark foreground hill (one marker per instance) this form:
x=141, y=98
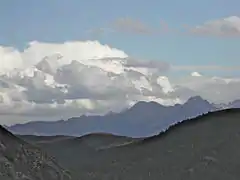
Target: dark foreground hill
x=22, y=161
x=206, y=148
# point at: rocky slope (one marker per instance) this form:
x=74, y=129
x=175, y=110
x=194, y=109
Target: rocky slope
x=22, y=161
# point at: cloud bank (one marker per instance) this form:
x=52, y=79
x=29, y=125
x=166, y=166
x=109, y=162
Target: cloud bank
x=49, y=81
x=225, y=27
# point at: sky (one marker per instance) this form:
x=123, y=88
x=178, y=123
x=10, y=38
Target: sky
x=59, y=21
x=197, y=41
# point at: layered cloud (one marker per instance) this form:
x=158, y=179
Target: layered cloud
x=225, y=27
x=124, y=25
x=130, y=25
x=222, y=27
x=52, y=81
x=206, y=68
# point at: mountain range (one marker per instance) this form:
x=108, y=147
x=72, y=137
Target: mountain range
x=205, y=147
x=141, y=120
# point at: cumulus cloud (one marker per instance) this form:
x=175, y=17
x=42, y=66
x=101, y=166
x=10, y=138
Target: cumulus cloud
x=49, y=81
x=13, y=59
x=225, y=27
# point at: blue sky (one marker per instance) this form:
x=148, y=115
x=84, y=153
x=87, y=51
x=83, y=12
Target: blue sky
x=59, y=21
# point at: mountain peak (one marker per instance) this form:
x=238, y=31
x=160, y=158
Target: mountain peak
x=234, y=104
x=196, y=100
x=146, y=104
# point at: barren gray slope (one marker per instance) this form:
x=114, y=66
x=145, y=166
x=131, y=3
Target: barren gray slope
x=22, y=161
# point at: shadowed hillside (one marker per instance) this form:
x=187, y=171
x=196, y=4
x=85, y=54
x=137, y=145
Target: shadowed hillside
x=22, y=161
x=95, y=141
x=43, y=139
x=77, y=153
x=206, y=147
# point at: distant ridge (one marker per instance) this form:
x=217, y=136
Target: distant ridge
x=141, y=120
x=101, y=135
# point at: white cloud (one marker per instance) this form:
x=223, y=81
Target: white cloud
x=51, y=81
x=228, y=27
x=196, y=74
x=73, y=78
x=214, y=89
x=12, y=58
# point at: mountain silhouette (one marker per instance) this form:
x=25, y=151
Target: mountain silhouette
x=141, y=120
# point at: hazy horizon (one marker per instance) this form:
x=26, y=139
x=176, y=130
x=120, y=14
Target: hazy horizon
x=63, y=59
